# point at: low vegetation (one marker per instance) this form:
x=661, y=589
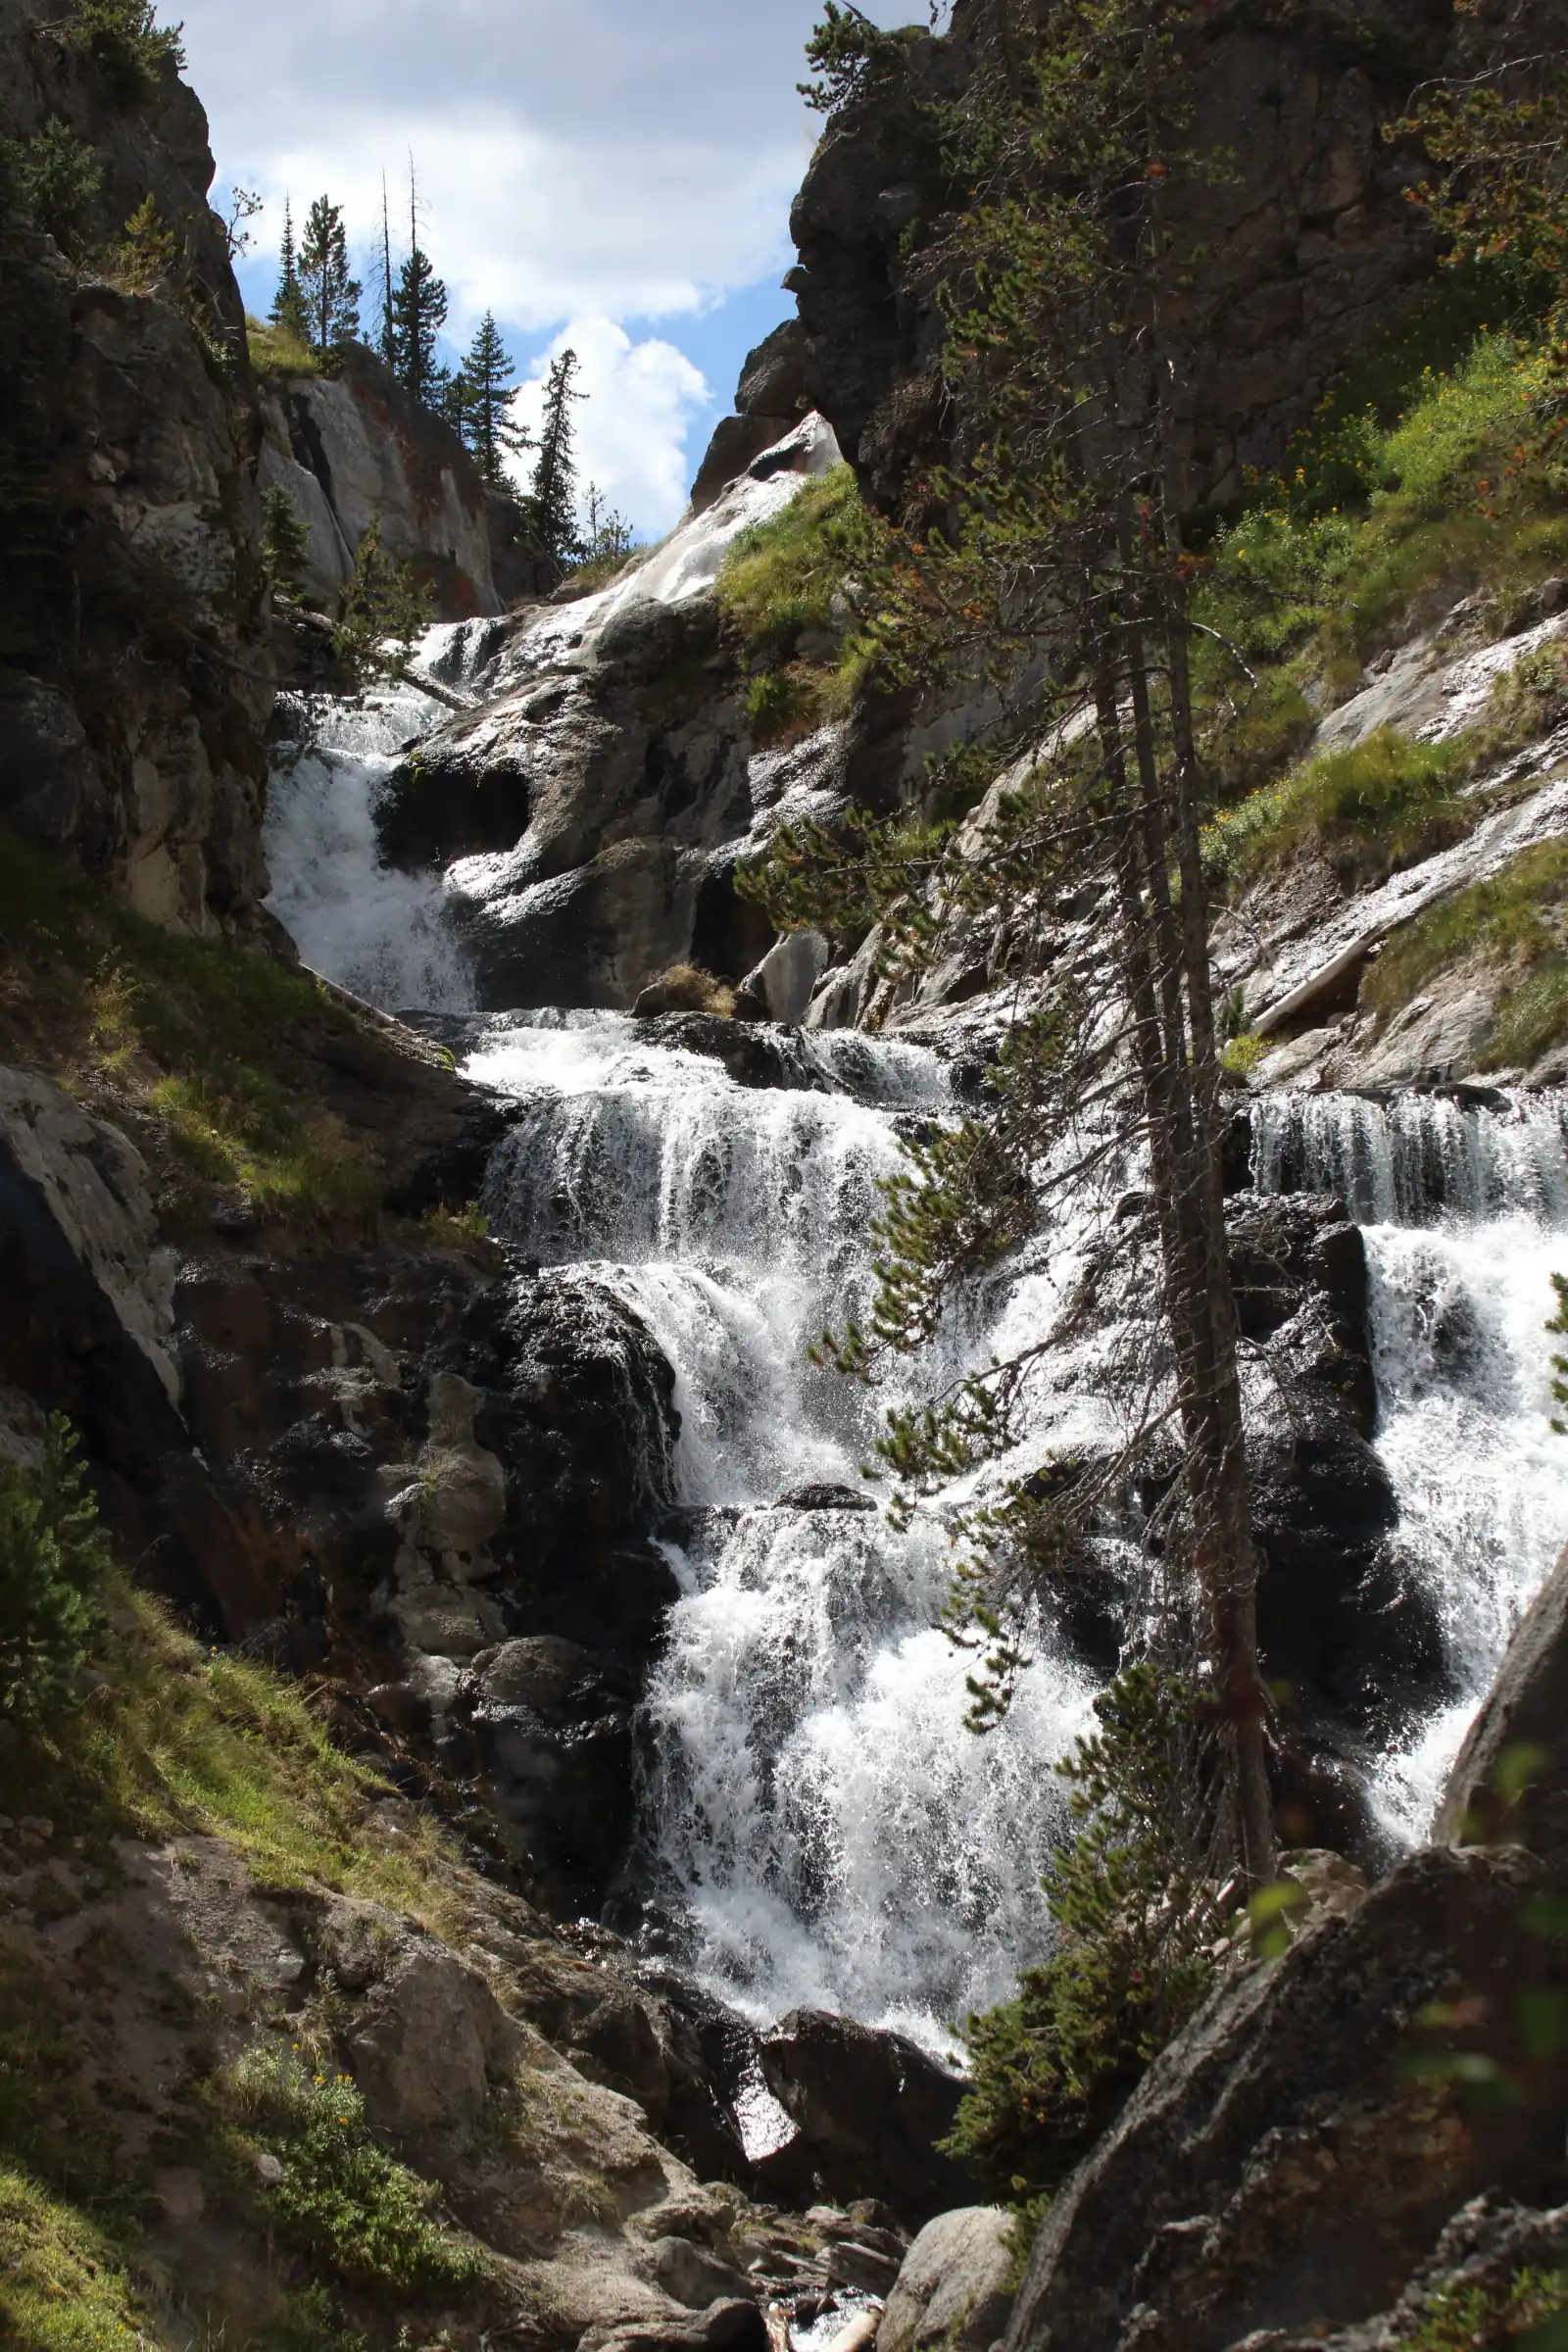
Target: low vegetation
x=338, y=2195
x=688, y=988
x=1375, y=806
x=190, y=1042
x=1513, y=927
x=275, y=352
x=1530, y=2314
x=789, y=592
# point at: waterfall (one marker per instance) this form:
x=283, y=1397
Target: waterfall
x=383, y=934
x=815, y=1810
x=1464, y=1209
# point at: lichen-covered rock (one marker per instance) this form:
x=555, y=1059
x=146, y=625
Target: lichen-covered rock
x=955, y=2288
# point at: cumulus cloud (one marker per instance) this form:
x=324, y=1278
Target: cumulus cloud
x=632, y=426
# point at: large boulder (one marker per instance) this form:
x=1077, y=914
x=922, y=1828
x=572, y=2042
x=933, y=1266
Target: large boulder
x=1511, y=1775
x=869, y=2108
x=1294, y=2157
x=956, y=2290
x=428, y=2042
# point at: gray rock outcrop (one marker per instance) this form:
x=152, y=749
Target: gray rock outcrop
x=1293, y=2159
x=955, y=2292
x=351, y=450
x=138, y=678
x=1510, y=1778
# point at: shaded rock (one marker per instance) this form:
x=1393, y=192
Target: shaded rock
x=695, y=2278
x=1283, y=2165
x=784, y=983
x=429, y=2039
x=723, y=2327
x=955, y=2287
x=826, y=1499
x=1522, y=1730
x=869, y=2108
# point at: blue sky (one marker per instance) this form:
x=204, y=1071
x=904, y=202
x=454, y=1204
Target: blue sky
x=616, y=173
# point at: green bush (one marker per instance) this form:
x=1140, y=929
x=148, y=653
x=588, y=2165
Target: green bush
x=1136, y=1925
x=341, y=2196
x=1525, y=2316
x=1383, y=802
x=53, y=1560
x=275, y=352
x=58, y=178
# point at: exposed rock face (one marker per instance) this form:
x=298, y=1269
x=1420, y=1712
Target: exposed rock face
x=596, y=802
x=1309, y=245
x=771, y=401
x=353, y=449
x=130, y=726
x=1521, y=1735
x=954, y=2289
x=1283, y=2166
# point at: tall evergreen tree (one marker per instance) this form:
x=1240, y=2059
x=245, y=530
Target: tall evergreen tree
x=330, y=295
x=484, y=389
x=419, y=314
x=289, y=310
x=554, y=494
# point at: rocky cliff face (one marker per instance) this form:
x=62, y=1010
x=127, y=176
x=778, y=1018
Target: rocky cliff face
x=351, y=449
x=137, y=679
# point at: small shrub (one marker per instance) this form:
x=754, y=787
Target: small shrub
x=1516, y=2318
x=342, y=2197
x=1240, y=1057
x=386, y=608
x=1383, y=802
x=1136, y=1925
x=687, y=988
x=797, y=575
x=148, y=249
x=61, y=2288
x=53, y=1562
x=59, y=180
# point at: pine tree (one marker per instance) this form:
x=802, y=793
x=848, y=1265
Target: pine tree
x=552, y=498
x=419, y=314
x=289, y=310
x=285, y=541
x=484, y=390
x=332, y=297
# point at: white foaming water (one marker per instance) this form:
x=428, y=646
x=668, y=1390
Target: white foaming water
x=385, y=935
x=814, y=1809
x=1465, y=1213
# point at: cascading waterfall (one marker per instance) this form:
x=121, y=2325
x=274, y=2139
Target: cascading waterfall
x=815, y=1810
x=1464, y=1207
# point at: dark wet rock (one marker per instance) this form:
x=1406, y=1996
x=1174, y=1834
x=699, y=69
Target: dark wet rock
x=1511, y=1775
x=868, y=2109
x=1284, y=2166
x=1477, y=2263
x=736, y=2326
x=825, y=1498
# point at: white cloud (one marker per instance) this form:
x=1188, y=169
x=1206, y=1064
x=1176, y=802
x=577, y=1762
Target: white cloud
x=631, y=429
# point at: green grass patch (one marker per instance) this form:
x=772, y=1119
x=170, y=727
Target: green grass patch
x=1375, y=806
x=61, y=2286
x=189, y=1739
x=341, y=2197
x=1515, y=923
x=193, y=1034
x=795, y=576
x=275, y=352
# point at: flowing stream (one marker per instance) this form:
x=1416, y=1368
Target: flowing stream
x=814, y=1812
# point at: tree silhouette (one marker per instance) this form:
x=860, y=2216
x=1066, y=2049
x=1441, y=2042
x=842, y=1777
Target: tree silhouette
x=553, y=497
x=332, y=297
x=289, y=309
x=483, y=391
